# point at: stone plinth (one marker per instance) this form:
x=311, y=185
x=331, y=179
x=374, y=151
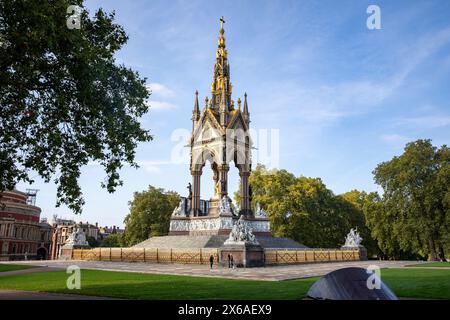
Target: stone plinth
x=201, y=226
x=66, y=250
x=244, y=255
x=362, y=251
x=214, y=225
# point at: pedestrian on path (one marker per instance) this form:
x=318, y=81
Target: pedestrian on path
x=211, y=261
x=229, y=261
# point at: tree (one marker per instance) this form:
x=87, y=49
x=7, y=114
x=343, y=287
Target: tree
x=149, y=214
x=302, y=208
x=92, y=242
x=64, y=102
x=381, y=225
x=112, y=241
x=354, y=202
x=416, y=196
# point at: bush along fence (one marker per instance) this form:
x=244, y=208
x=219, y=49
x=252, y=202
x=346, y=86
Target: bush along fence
x=201, y=256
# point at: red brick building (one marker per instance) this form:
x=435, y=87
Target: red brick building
x=22, y=234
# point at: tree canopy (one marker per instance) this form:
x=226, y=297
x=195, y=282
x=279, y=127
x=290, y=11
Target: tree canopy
x=149, y=214
x=304, y=209
x=112, y=241
x=64, y=101
x=414, y=212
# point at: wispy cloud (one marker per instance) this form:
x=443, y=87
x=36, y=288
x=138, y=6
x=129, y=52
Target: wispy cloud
x=160, y=93
x=394, y=138
x=148, y=166
x=324, y=103
x=432, y=121
x=160, y=90
x=161, y=105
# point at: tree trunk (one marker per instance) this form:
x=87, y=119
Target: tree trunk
x=432, y=256
x=442, y=254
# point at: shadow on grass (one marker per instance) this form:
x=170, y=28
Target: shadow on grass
x=165, y=287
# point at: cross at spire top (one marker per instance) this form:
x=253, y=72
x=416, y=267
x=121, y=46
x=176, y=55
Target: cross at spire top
x=222, y=21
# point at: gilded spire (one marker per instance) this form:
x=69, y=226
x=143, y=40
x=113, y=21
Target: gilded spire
x=221, y=51
x=221, y=86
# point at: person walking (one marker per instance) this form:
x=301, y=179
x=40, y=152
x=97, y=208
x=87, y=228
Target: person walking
x=232, y=261
x=229, y=261
x=211, y=261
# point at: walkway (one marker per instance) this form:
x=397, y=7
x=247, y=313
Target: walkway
x=274, y=273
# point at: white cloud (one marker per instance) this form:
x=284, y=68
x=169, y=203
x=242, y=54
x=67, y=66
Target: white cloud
x=160, y=90
x=324, y=104
x=148, y=166
x=426, y=121
x=161, y=105
x=153, y=166
x=394, y=138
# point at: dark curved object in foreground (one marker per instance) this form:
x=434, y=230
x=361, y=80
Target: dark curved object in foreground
x=349, y=284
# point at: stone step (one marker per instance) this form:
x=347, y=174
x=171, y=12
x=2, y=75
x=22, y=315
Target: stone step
x=212, y=241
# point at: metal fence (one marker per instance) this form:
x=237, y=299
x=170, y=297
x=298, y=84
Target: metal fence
x=201, y=256
x=198, y=256
x=277, y=256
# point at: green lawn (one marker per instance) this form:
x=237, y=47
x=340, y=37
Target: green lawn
x=418, y=283
x=414, y=283
x=433, y=264
x=153, y=286
x=13, y=267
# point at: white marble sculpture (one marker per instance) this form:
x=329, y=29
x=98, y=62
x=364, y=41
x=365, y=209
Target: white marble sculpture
x=353, y=239
x=178, y=211
x=77, y=238
x=224, y=206
x=241, y=233
x=214, y=223
x=260, y=213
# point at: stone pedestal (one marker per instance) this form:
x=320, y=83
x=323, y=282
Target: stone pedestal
x=244, y=255
x=362, y=251
x=66, y=251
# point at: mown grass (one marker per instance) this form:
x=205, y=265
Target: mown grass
x=433, y=265
x=412, y=283
x=13, y=267
x=155, y=286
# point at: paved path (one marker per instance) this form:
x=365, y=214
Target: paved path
x=32, y=295
x=274, y=273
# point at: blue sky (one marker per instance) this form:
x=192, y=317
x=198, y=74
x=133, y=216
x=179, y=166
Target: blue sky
x=344, y=98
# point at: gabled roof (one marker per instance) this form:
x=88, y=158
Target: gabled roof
x=237, y=116
x=207, y=116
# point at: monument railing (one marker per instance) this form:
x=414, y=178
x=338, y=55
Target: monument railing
x=201, y=256
x=307, y=255
x=186, y=256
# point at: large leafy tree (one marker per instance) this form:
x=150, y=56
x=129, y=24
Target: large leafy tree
x=64, y=101
x=355, y=202
x=149, y=214
x=416, y=196
x=112, y=241
x=302, y=208
x=382, y=228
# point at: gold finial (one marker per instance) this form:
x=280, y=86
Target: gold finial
x=239, y=103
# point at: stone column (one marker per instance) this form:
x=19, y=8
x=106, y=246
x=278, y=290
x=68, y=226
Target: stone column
x=195, y=201
x=245, y=199
x=223, y=180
